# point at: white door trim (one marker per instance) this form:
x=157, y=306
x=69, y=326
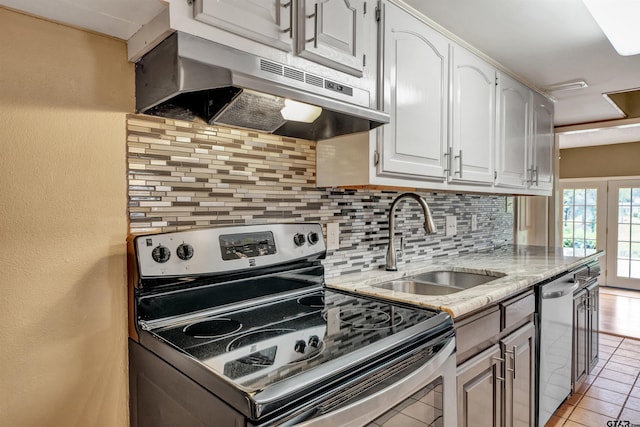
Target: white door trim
x=612, y=234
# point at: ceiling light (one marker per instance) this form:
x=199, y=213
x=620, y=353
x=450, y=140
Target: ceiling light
x=618, y=20
x=299, y=111
x=577, y=84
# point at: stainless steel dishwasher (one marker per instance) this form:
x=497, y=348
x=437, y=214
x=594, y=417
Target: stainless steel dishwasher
x=555, y=309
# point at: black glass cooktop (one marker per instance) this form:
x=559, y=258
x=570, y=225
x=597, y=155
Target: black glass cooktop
x=262, y=345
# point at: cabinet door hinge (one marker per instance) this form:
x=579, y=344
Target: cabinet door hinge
x=496, y=80
x=378, y=13
x=495, y=174
x=376, y=158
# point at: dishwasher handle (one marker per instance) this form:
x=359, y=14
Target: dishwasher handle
x=559, y=288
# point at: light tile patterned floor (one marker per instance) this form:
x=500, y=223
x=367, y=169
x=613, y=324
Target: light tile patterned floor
x=611, y=392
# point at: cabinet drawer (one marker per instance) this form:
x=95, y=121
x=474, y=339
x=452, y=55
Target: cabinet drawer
x=478, y=332
x=517, y=309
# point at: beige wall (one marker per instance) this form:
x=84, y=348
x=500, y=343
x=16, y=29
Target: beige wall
x=63, y=98
x=601, y=161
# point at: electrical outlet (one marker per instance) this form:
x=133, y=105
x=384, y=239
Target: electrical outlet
x=474, y=222
x=333, y=236
x=450, y=225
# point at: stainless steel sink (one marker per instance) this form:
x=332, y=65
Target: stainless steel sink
x=415, y=287
x=442, y=282
x=456, y=279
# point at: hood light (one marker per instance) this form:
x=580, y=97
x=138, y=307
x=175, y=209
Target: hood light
x=299, y=111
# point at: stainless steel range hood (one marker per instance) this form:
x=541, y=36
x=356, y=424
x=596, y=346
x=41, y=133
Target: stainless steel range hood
x=191, y=78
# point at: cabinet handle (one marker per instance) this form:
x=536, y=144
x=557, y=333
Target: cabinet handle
x=459, y=157
x=499, y=359
x=513, y=354
x=447, y=156
x=536, y=172
x=290, y=28
x=530, y=175
x=314, y=15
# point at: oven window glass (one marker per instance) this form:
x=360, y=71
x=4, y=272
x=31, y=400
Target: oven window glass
x=424, y=408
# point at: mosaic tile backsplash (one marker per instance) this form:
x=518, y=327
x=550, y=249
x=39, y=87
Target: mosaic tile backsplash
x=186, y=175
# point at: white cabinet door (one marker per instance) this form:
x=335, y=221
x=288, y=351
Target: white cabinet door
x=333, y=33
x=266, y=21
x=416, y=62
x=542, y=142
x=514, y=109
x=474, y=112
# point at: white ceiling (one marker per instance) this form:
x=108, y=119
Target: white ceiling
x=543, y=41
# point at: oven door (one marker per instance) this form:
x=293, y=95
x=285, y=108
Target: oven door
x=411, y=393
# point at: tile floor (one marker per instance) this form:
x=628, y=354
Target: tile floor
x=611, y=392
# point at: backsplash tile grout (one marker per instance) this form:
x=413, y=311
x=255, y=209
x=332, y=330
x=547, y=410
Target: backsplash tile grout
x=185, y=175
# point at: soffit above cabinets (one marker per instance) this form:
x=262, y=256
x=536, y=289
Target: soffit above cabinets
x=116, y=18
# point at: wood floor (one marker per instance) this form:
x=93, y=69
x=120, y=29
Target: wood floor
x=620, y=312
x=612, y=391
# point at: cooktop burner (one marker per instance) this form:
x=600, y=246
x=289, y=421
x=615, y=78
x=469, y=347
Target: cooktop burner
x=255, y=337
x=213, y=328
x=365, y=318
x=312, y=301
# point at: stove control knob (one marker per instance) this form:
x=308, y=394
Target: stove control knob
x=161, y=254
x=185, y=251
x=300, y=346
x=313, y=238
x=314, y=341
x=299, y=239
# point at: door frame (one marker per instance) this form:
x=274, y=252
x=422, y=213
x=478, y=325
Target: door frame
x=612, y=236
x=601, y=222
x=606, y=260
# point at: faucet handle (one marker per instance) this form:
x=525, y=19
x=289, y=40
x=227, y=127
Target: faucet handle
x=400, y=252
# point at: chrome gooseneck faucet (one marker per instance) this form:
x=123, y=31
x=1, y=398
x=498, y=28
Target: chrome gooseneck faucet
x=429, y=226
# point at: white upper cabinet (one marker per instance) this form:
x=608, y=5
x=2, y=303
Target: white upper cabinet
x=268, y=22
x=332, y=32
x=457, y=123
x=514, y=109
x=473, y=118
x=415, y=73
x=542, y=143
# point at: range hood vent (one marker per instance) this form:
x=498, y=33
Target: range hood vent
x=189, y=78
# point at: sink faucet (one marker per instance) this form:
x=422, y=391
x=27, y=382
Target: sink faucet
x=429, y=226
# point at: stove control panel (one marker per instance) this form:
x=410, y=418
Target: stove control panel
x=226, y=249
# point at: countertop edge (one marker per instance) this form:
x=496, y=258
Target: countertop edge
x=520, y=274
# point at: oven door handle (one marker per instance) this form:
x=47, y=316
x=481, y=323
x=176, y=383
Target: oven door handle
x=365, y=410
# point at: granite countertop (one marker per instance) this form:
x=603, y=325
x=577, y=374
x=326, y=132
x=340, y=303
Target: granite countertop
x=522, y=267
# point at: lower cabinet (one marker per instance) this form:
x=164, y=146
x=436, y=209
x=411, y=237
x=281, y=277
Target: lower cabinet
x=585, y=333
x=518, y=350
x=480, y=390
x=496, y=387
